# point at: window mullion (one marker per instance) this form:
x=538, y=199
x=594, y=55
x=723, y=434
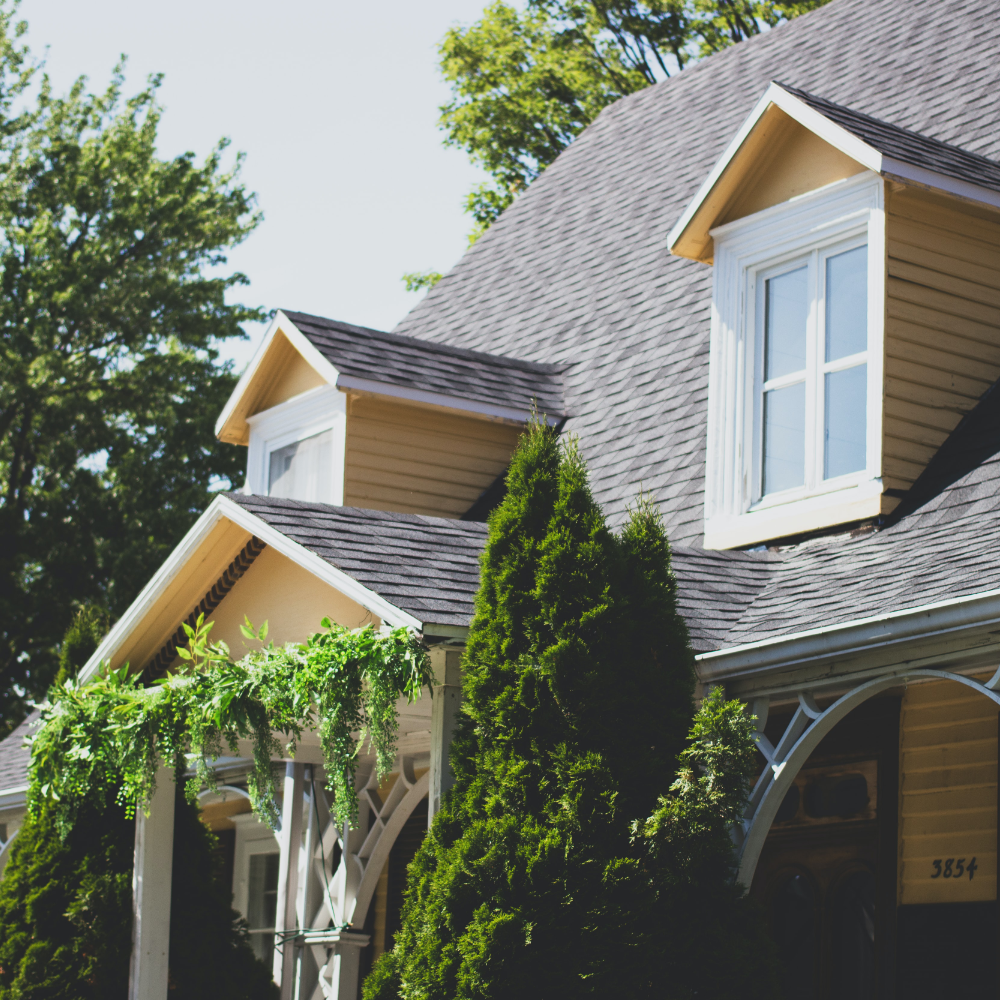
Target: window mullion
x=814, y=396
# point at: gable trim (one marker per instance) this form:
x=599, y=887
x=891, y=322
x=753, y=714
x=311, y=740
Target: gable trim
x=839, y=138
x=222, y=508
x=280, y=324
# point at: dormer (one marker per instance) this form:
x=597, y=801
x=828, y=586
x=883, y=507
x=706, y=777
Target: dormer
x=855, y=313
x=346, y=415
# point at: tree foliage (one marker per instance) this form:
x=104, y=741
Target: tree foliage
x=113, y=298
x=66, y=912
x=526, y=81
x=560, y=865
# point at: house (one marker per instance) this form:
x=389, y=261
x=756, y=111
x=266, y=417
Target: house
x=767, y=291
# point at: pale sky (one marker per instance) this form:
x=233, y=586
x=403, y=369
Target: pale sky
x=335, y=105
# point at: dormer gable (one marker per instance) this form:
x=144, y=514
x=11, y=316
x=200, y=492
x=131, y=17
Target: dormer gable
x=856, y=313
x=347, y=415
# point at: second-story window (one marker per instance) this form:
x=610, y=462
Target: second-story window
x=811, y=322
x=302, y=470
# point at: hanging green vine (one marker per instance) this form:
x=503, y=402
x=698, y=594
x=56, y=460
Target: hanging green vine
x=113, y=732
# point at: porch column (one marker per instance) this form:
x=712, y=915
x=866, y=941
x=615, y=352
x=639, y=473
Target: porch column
x=288, y=879
x=346, y=974
x=151, y=878
x=447, y=700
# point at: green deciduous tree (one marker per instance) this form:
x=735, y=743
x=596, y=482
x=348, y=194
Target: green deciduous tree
x=112, y=302
x=526, y=81
x=542, y=875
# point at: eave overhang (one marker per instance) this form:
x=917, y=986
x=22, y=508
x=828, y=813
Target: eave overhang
x=962, y=634
x=691, y=237
x=253, y=386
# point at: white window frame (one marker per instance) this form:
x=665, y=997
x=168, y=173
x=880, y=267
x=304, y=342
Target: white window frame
x=252, y=837
x=303, y=416
x=809, y=228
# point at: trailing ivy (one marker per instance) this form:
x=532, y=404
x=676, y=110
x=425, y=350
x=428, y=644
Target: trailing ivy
x=109, y=735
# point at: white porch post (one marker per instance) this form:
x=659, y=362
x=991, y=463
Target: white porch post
x=151, y=878
x=447, y=700
x=346, y=976
x=288, y=879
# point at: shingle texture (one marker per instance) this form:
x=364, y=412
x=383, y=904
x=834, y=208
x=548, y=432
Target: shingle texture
x=426, y=566
x=906, y=146
x=429, y=566
x=715, y=589
x=14, y=755
x=577, y=270
x=415, y=364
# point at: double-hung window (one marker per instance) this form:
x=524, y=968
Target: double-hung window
x=795, y=369
x=811, y=385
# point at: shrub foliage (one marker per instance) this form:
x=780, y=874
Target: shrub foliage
x=542, y=875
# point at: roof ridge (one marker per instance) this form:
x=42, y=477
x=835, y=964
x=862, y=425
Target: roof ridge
x=541, y=368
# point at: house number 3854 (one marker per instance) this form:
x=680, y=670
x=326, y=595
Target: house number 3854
x=953, y=868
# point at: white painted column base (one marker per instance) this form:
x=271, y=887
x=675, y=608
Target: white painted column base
x=151, y=878
x=341, y=976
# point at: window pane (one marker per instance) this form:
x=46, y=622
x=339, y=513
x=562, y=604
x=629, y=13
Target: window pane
x=303, y=471
x=262, y=902
x=786, y=311
x=846, y=409
x=784, y=438
x=846, y=303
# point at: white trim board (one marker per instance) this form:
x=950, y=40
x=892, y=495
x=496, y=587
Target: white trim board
x=224, y=508
x=439, y=399
x=280, y=324
x=890, y=629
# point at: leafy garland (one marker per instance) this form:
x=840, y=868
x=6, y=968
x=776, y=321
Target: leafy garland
x=112, y=733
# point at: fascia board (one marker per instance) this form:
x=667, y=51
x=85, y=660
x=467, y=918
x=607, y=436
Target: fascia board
x=150, y=594
x=439, y=399
x=12, y=798
x=827, y=130
x=222, y=507
x=281, y=323
x=877, y=632
x=318, y=566
x=908, y=173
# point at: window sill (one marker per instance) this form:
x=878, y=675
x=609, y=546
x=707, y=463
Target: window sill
x=796, y=517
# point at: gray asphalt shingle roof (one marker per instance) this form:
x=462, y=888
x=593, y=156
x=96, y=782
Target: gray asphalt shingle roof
x=419, y=364
x=14, y=755
x=426, y=566
x=578, y=268
x=429, y=566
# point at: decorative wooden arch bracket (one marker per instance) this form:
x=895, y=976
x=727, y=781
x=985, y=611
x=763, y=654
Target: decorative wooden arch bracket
x=808, y=725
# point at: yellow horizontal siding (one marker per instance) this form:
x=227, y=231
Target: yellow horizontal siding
x=415, y=460
x=948, y=793
x=942, y=345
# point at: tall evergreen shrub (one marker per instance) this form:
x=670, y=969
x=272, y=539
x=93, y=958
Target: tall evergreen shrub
x=66, y=913
x=542, y=876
